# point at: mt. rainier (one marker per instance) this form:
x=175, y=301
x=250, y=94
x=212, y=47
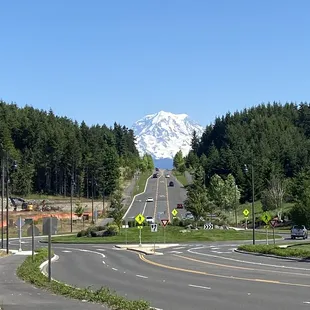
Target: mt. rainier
x=163, y=134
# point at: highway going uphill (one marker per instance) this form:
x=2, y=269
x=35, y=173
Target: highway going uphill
x=158, y=199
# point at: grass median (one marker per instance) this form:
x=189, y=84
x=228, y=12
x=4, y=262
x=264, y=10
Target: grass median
x=30, y=272
x=180, y=177
x=169, y=234
x=140, y=185
x=298, y=251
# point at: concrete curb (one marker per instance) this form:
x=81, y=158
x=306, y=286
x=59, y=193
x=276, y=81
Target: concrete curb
x=134, y=197
x=44, y=264
x=298, y=259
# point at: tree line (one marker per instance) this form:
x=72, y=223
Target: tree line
x=55, y=154
x=273, y=139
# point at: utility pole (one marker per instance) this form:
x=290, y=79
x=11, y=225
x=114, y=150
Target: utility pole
x=253, y=207
x=92, y=199
x=7, y=203
x=2, y=201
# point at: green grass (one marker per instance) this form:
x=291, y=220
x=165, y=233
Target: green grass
x=140, y=185
x=172, y=234
x=300, y=251
x=180, y=177
x=30, y=272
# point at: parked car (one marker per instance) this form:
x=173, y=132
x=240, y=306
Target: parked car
x=150, y=199
x=171, y=184
x=150, y=220
x=299, y=231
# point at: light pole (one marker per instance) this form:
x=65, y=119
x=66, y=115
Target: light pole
x=2, y=201
x=13, y=168
x=253, y=207
x=71, y=203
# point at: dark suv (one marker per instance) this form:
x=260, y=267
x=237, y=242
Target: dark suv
x=171, y=184
x=155, y=175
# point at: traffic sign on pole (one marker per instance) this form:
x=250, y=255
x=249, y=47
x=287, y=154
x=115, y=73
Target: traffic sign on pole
x=273, y=223
x=153, y=227
x=266, y=217
x=174, y=212
x=246, y=212
x=164, y=222
x=140, y=219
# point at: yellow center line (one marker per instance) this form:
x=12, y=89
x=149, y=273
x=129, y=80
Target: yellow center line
x=218, y=275
x=156, y=198
x=239, y=267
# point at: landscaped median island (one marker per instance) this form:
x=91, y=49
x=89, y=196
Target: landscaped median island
x=295, y=250
x=169, y=234
x=30, y=272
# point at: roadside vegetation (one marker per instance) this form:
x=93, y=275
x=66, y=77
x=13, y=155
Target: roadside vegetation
x=180, y=177
x=301, y=251
x=30, y=272
x=266, y=148
x=171, y=234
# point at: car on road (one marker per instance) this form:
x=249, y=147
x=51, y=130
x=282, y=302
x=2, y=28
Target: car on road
x=155, y=175
x=188, y=216
x=299, y=231
x=171, y=184
x=167, y=175
x=180, y=206
x=157, y=169
x=150, y=220
x=150, y=199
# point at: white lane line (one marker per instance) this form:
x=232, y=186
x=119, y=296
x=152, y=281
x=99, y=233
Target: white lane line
x=139, y=276
x=175, y=252
x=144, y=208
x=306, y=302
x=243, y=261
x=199, y=286
x=114, y=269
x=81, y=250
x=214, y=248
x=66, y=251
x=156, y=308
x=103, y=262
x=179, y=248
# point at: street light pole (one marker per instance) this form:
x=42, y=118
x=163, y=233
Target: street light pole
x=71, y=205
x=2, y=201
x=253, y=207
x=92, y=199
x=7, y=203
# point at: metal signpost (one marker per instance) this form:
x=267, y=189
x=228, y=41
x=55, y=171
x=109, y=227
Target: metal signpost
x=154, y=229
x=164, y=223
x=140, y=219
x=20, y=223
x=266, y=218
x=50, y=251
x=32, y=239
x=273, y=224
x=246, y=213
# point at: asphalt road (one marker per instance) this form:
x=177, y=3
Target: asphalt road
x=165, y=199
x=201, y=276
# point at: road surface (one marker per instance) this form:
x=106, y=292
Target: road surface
x=165, y=199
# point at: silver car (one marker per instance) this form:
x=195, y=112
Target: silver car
x=299, y=231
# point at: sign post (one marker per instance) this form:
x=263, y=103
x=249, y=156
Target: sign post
x=140, y=219
x=32, y=239
x=50, y=250
x=266, y=218
x=164, y=223
x=20, y=223
x=246, y=213
x=273, y=224
x=154, y=229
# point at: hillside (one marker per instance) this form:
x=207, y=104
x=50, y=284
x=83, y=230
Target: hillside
x=51, y=152
x=272, y=137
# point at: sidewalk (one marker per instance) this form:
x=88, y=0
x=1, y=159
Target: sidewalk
x=18, y=295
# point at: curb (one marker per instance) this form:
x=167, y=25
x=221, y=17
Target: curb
x=44, y=264
x=298, y=259
x=134, y=197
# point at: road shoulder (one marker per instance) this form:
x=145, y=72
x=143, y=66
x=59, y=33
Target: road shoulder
x=16, y=294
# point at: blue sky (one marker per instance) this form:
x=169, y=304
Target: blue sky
x=105, y=61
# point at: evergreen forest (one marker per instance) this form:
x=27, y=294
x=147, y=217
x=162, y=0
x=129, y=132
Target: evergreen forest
x=52, y=153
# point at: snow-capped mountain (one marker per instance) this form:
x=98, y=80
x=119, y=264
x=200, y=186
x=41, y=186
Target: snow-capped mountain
x=163, y=134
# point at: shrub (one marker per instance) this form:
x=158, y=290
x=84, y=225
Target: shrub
x=30, y=272
x=112, y=230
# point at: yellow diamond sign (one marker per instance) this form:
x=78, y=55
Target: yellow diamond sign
x=266, y=217
x=140, y=219
x=174, y=212
x=246, y=212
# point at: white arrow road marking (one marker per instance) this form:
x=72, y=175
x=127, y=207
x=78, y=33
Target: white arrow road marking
x=162, y=196
x=199, y=286
x=179, y=248
x=176, y=252
x=65, y=251
x=139, y=276
x=114, y=269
